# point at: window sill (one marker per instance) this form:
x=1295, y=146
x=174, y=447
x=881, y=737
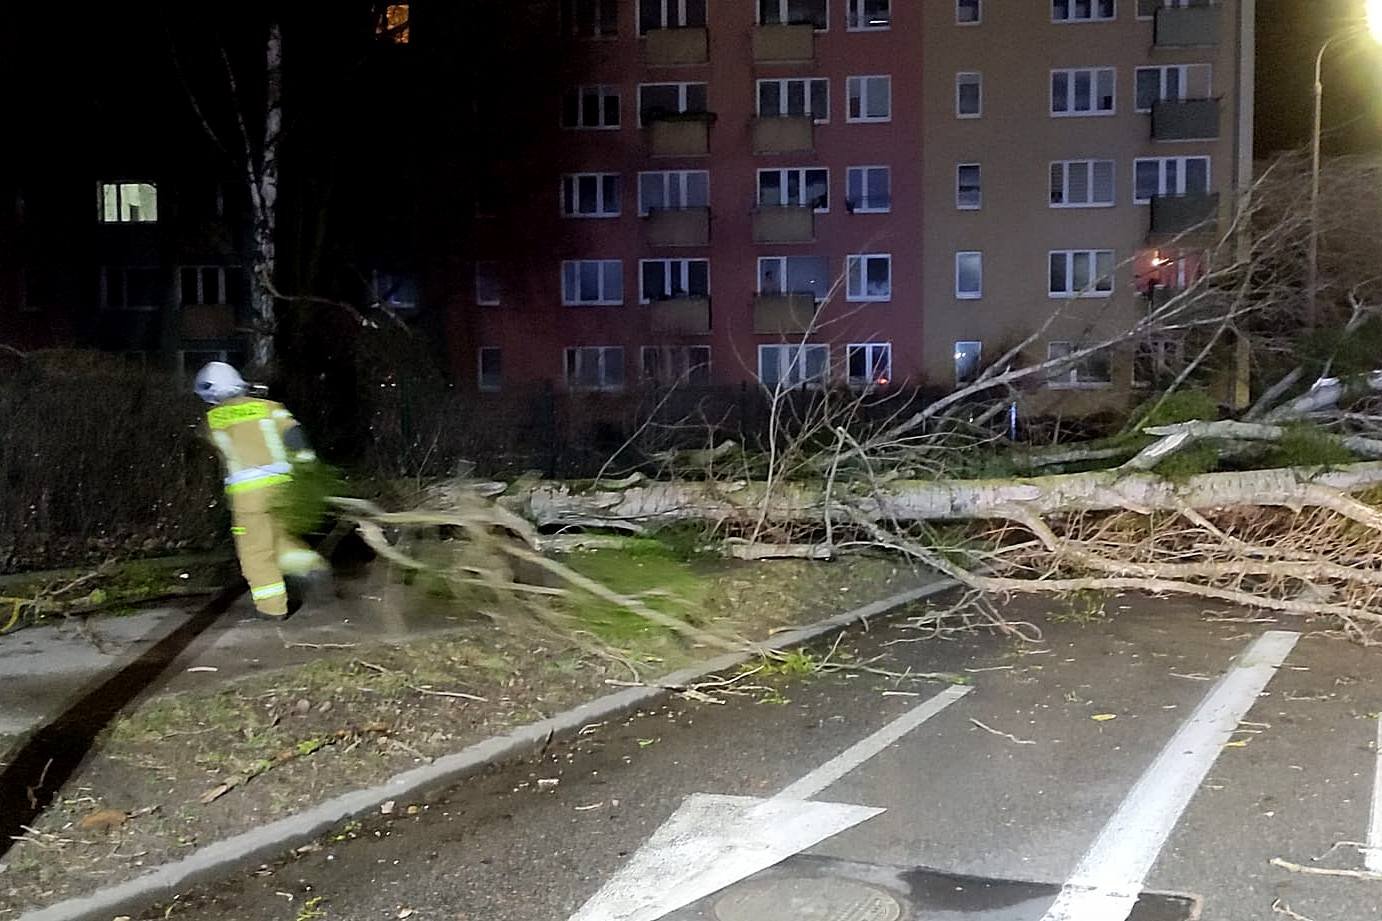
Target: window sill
x=968, y=297
x=1085, y=206
x=592, y=303
x=869, y=121
x=969, y=117
x=888, y=210
x=969, y=207
x=1109, y=114
x=591, y=217
x=869, y=300
x=1072, y=296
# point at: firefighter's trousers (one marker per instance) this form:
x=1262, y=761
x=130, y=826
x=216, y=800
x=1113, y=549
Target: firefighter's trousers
x=266, y=550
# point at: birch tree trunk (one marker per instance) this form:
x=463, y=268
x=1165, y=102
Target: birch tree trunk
x=263, y=185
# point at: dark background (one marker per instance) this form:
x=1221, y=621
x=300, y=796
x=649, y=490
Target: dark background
x=1289, y=33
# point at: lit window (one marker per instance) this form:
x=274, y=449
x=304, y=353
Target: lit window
x=968, y=361
x=394, y=26
x=127, y=203
x=870, y=364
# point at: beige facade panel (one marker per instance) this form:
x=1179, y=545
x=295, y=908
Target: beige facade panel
x=680, y=137
x=785, y=224
x=784, y=134
x=686, y=316
x=676, y=47
x=781, y=314
x=677, y=226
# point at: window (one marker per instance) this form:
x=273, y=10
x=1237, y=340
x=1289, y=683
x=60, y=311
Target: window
x=969, y=95
x=394, y=26
x=968, y=12
x=1174, y=83
x=869, y=190
x=869, y=15
x=1083, y=10
x=792, y=365
x=1146, y=9
x=794, y=187
x=793, y=12
x=590, y=195
x=1082, y=91
x=592, y=282
x=130, y=288
x=870, y=99
x=869, y=364
x=1156, y=177
x=395, y=290
x=1093, y=370
x=969, y=356
x=672, y=366
x=664, y=279
x=1157, y=360
x=598, y=367
x=127, y=203
x=969, y=189
x=671, y=190
x=1081, y=273
x=969, y=276
x=591, y=107
x=870, y=277
x=794, y=275
x=209, y=284
x=487, y=292
x=669, y=14
x=663, y=100
x=590, y=18
x=491, y=368
x=795, y=97
x=1082, y=183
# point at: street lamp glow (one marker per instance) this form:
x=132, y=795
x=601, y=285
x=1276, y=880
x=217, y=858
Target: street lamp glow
x=1375, y=19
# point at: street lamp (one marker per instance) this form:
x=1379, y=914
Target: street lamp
x=1374, y=28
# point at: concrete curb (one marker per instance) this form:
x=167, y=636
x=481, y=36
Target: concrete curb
x=300, y=828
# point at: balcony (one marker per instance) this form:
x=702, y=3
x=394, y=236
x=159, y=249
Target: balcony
x=784, y=44
x=677, y=226
x=784, y=224
x=1188, y=26
x=686, y=135
x=1185, y=120
x=207, y=321
x=1178, y=214
x=676, y=47
x=680, y=316
x=1159, y=296
x=780, y=314
x=776, y=134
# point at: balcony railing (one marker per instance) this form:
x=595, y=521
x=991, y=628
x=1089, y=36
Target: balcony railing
x=678, y=226
x=784, y=224
x=1185, y=120
x=686, y=135
x=776, y=314
x=774, y=134
x=1188, y=26
x=676, y=47
x=1178, y=214
x=680, y=316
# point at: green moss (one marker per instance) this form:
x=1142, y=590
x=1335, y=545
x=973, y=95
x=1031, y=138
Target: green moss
x=1347, y=352
x=646, y=569
x=302, y=505
x=1202, y=457
x=1306, y=446
x=1180, y=406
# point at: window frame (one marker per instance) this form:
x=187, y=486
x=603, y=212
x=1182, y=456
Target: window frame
x=603, y=352
x=959, y=82
x=783, y=172
x=222, y=285
x=960, y=205
x=604, y=90
x=667, y=17
x=1182, y=175
x=682, y=94
x=1090, y=163
x=862, y=82
x=1093, y=17
x=1094, y=72
x=871, y=382
x=679, y=351
x=498, y=384
x=1185, y=81
x=851, y=206
x=978, y=360
x=961, y=294
x=119, y=187
x=784, y=275
x=498, y=299
x=856, y=11
x=978, y=19
x=1092, y=292
x=684, y=264
x=1072, y=379
x=682, y=178
x=796, y=355
x=784, y=19
x=863, y=259
x=603, y=300
x=573, y=179
x=568, y=22
x=783, y=83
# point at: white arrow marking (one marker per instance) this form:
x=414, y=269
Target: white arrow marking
x=1106, y=884
x=711, y=842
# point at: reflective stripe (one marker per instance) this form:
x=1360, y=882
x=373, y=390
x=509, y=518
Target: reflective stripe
x=276, y=479
x=227, y=449
x=238, y=531
x=249, y=474
x=298, y=562
x=268, y=591
x=273, y=441
x=305, y=457
x=223, y=417
x=282, y=414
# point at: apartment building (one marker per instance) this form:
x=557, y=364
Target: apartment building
x=1068, y=143
x=731, y=191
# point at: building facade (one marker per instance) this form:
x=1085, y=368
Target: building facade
x=1076, y=153
x=732, y=190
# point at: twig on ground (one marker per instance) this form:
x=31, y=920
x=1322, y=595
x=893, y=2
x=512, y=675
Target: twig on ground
x=1326, y=871
x=1006, y=735
x=1282, y=908
x=456, y=694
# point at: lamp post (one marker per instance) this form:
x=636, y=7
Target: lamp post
x=1374, y=28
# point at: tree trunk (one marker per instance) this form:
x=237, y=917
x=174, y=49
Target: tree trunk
x=551, y=505
x=263, y=183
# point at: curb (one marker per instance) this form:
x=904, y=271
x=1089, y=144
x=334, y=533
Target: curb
x=300, y=828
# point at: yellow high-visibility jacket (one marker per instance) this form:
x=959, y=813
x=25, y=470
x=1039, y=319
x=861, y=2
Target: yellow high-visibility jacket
x=259, y=441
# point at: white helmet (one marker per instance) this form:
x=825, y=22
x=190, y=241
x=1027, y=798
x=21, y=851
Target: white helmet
x=218, y=382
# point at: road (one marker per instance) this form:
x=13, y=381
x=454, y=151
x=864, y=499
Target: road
x=1088, y=767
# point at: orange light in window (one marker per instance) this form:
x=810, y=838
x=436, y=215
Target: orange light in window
x=394, y=24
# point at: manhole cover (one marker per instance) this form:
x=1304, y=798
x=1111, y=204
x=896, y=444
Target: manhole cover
x=830, y=899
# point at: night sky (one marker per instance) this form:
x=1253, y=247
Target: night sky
x=1289, y=34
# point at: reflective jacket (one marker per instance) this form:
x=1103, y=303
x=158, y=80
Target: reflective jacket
x=259, y=441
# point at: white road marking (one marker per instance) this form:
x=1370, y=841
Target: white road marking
x=1372, y=857
x=1106, y=884
x=711, y=842
x=837, y=767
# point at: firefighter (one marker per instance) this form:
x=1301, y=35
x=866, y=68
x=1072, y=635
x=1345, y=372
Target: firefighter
x=259, y=442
